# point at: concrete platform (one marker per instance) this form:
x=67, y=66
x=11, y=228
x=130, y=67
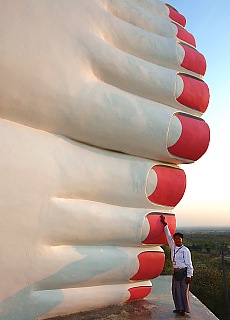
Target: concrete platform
x=157, y=306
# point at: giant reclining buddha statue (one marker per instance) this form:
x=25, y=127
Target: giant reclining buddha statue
x=100, y=103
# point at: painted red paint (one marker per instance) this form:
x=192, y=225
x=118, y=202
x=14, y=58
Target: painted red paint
x=176, y=16
x=156, y=233
x=139, y=292
x=171, y=183
x=193, y=60
x=184, y=35
x=194, y=139
x=195, y=94
x=151, y=264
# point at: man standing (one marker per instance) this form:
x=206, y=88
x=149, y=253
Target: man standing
x=183, y=270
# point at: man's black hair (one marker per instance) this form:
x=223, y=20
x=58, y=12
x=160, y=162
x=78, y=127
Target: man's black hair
x=179, y=235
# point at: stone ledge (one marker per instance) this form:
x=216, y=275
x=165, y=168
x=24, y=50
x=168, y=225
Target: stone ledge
x=157, y=306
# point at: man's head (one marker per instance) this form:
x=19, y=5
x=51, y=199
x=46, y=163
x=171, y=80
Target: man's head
x=178, y=239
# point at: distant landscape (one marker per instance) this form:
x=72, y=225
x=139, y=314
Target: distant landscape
x=204, y=229
x=210, y=248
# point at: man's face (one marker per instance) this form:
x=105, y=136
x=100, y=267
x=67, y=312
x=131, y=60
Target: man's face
x=178, y=241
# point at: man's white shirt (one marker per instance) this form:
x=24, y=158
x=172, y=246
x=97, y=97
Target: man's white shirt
x=180, y=256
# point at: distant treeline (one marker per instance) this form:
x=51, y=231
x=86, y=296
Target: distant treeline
x=204, y=229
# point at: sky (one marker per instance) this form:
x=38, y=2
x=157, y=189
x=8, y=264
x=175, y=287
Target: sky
x=207, y=197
